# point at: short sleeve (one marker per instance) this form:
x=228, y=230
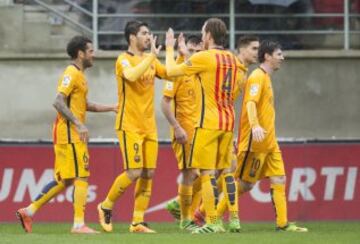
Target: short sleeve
x=67, y=82
x=254, y=87
x=170, y=88
x=121, y=64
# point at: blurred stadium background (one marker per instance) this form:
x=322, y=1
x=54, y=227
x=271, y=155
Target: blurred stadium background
x=317, y=97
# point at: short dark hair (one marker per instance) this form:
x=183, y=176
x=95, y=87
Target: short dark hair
x=245, y=40
x=194, y=39
x=217, y=29
x=76, y=44
x=132, y=28
x=267, y=47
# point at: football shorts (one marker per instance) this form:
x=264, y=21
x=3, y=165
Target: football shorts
x=182, y=154
x=211, y=149
x=254, y=166
x=71, y=161
x=138, y=150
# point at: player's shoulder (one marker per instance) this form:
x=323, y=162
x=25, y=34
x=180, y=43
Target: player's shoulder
x=124, y=59
x=257, y=73
x=124, y=55
x=202, y=54
x=72, y=71
x=70, y=75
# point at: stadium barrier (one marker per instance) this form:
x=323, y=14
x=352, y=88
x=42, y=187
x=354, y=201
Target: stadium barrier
x=323, y=183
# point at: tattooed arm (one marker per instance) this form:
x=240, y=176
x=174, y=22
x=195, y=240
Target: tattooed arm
x=61, y=107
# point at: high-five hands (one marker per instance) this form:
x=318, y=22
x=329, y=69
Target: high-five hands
x=182, y=45
x=170, y=38
x=155, y=50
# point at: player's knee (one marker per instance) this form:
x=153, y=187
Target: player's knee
x=68, y=182
x=188, y=176
x=207, y=172
x=278, y=179
x=133, y=174
x=147, y=173
x=227, y=171
x=246, y=186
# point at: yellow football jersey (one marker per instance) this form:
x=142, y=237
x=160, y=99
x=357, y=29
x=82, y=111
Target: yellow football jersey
x=219, y=72
x=259, y=90
x=136, y=98
x=185, y=94
x=73, y=85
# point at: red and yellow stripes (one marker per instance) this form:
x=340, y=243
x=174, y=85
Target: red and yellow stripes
x=224, y=88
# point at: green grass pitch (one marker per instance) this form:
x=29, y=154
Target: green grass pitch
x=50, y=233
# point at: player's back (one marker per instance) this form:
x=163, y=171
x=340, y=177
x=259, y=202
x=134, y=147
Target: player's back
x=218, y=80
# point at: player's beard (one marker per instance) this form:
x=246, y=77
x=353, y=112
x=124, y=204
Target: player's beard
x=87, y=63
x=142, y=47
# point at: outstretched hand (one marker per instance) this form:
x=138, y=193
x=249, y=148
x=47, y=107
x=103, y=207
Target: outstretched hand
x=155, y=50
x=182, y=45
x=170, y=38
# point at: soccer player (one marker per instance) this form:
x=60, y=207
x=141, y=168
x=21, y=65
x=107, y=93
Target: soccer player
x=259, y=154
x=247, y=54
x=248, y=47
x=70, y=136
x=183, y=95
x=218, y=71
x=135, y=124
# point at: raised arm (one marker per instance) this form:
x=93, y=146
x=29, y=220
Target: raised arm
x=134, y=73
x=172, y=68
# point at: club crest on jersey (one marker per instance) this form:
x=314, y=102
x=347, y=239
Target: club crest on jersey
x=137, y=158
x=254, y=89
x=66, y=81
x=125, y=63
x=169, y=85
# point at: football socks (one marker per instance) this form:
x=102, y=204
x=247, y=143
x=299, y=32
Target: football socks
x=185, y=198
x=142, y=198
x=279, y=201
x=47, y=193
x=79, y=202
x=121, y=183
